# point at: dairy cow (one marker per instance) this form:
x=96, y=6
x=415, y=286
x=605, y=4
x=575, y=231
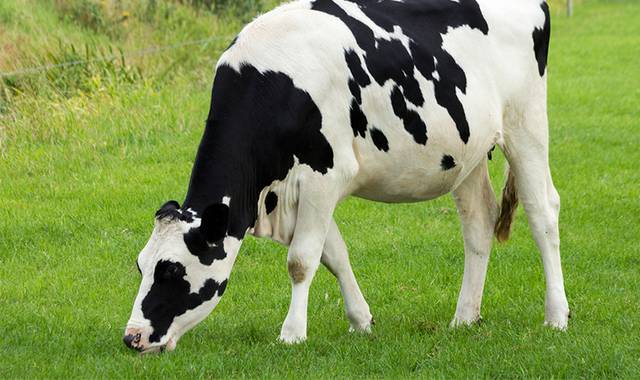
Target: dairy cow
x=388, y=100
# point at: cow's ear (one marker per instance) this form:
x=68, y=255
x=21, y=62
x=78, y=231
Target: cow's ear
x=215, y=221
x=167, y=210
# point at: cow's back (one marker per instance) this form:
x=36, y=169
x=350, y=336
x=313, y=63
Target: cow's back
x=415, y=90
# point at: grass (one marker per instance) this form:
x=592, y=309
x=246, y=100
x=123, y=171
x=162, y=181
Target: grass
x=82, y=172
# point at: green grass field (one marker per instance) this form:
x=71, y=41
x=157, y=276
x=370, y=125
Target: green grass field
x=89, y=153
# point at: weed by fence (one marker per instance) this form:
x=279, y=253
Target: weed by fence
x=86, y=69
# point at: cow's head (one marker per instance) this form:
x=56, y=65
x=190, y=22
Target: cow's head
x=185, y=267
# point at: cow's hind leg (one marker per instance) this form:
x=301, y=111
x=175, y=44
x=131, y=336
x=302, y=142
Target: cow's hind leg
x=478, y=212
x=526, y=148
x=317, y=200
x=336, y=258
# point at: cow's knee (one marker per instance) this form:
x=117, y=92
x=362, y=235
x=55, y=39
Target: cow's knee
x=297, y=269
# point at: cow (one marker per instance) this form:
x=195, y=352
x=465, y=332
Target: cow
x=388, y=100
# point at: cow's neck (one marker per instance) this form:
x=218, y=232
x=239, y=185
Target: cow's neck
x=259, y=124
x=226, y=167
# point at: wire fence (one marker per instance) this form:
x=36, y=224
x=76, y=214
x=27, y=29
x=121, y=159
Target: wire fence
x=141, y=52
x=126, y=55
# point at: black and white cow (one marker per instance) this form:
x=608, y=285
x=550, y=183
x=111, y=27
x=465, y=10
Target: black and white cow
x=388, y=100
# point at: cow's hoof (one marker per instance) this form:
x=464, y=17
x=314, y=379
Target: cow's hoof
x=558, y=321
x=291, y=339
x=362, y=327
x=465, y=322
x=293, y=331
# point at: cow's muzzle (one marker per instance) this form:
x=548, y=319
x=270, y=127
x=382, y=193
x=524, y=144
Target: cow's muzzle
x=136, y=339
x=133, y=341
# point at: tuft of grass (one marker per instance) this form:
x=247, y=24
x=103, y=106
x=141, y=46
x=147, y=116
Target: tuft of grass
x=81, y=174
x=98, y=16
x=75, y=71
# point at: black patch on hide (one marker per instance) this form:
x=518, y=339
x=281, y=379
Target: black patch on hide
x=170, y=297
x=360, y=78
x=411, y=120
x=257, y=124
x=447, y=162
x=206, y=241
x=541, y=40
x=358, y=120
x=379, y=140
x=207, y=253
x=424, y=22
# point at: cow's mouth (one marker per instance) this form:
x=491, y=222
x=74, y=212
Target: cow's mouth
x=169, y=346
x=153, y=350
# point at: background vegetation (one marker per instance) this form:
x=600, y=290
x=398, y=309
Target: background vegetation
x=89, y=151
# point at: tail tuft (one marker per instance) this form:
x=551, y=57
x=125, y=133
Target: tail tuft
x=507, y=208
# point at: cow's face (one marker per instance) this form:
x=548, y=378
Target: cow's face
x=185, y=267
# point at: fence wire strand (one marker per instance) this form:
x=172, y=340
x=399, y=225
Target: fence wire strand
x=126, y=55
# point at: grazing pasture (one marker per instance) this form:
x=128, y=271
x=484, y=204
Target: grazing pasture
x=90, y=151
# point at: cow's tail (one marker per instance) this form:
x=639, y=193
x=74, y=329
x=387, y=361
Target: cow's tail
x=507, y=208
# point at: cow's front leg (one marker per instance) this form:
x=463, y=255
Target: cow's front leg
x=478, y=211
x=315, y=209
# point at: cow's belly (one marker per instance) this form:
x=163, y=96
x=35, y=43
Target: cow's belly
x=410, y=187
x=412, y=172
x=405, y=176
